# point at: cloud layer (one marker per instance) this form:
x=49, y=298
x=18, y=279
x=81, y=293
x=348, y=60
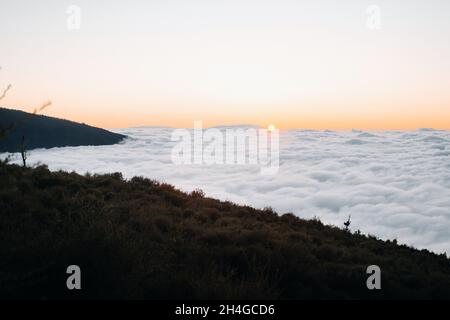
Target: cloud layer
x=393, y=184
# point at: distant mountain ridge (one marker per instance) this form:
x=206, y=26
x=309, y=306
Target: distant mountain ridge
x=48, y=132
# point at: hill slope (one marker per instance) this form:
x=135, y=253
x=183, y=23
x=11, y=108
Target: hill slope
x=144, y=239
x=47, y=132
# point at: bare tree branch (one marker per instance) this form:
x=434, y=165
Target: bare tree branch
x=42, y=107
x=6, y=89
x=5, y=131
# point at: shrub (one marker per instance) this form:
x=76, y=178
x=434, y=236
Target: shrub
x=197, y=193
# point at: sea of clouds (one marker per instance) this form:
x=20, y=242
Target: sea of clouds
x=394, y=184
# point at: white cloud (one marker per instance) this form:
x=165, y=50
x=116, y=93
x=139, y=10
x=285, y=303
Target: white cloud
x=393, y=184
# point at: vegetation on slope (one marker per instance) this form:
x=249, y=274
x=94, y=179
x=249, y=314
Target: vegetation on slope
x=41, y=131
x=144, y=239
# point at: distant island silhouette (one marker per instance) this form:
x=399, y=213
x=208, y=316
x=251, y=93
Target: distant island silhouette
x=41, y=131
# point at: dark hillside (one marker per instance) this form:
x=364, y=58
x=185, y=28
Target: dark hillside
x=47, y=132
x=144, y=239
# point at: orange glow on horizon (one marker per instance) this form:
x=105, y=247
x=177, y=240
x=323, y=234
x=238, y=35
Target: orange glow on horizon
x=293, y=120
x=294, y=64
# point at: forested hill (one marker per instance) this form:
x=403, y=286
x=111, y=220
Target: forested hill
x=48, y=132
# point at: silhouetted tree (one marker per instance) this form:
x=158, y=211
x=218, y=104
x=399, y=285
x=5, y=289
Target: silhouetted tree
x=23, y=151
x=347, y=224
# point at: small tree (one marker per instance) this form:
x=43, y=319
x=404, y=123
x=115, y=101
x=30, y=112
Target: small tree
x=347, y=224
x=23, y=151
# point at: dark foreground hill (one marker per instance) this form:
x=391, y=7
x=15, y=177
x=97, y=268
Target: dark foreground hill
x=144, y=239
x=47, y=132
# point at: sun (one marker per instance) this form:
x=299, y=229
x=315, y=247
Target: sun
x=271, y=127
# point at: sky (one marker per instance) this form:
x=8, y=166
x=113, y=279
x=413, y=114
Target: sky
x=295, y=64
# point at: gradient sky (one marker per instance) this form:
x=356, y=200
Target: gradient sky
x=304, y=64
